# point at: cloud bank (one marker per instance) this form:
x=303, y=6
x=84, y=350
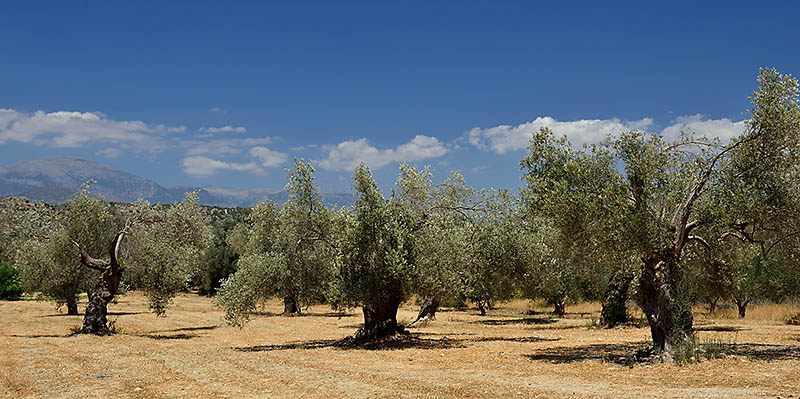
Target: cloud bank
x=65, y=129
x=504, y=138
x=204, y=166
x=346, y=155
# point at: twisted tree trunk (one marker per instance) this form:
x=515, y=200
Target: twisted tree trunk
x=72, y=306
x=615, y=311
x=741, y=305
x=102, y=291
x=291, y=305
x=664, y=303
x=427, y=310
x=380, y=317
x=560, y=306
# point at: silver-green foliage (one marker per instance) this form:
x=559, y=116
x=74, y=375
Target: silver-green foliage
x=287, y=251
x=48, y=257
x=162, y=257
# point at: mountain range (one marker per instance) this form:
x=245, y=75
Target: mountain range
x=55, y=180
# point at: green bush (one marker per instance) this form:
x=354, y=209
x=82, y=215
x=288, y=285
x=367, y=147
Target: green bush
x=10, y=289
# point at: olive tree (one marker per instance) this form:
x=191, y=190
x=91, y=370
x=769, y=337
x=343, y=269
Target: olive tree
x=220, y=259
x=287, y=251
x=440, y=216
x=162, y=251
x=378, y=270
x=501, y=251
x=468, y=244
x=47, y=256
x=565, y=274
x=644, y=192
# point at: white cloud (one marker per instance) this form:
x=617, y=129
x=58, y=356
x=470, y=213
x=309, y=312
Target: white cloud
x=222, y=146
x=268, y=158
x=110, y=152
x=504, y=138
x=724, y=129
x=224, y=129
x=76, y=129
x=218, y=110
x=346, y=155
x=204, y=166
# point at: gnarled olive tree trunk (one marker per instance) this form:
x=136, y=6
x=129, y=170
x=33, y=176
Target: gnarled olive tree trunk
x=664, y=302
x=741, y=305
x=559, y=305
x=102, y=291
x=380, y=317
x=427, y=310
x=291, y=306
x=72, y=306
x=615, y=311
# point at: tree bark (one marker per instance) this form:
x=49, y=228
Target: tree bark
x=291, y=305
x=742, y=307
x=712, y=305
x=72, y=306
x=481, y=308
x=427, y=310
x=664, y=303
x=560, y=306
x=615, y=311
x=380, y=317
x=102, y=291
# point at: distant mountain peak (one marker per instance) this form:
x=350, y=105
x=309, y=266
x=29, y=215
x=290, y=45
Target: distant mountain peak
x=55, y=179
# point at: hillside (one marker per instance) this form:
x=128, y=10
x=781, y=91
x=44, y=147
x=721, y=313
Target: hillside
x=55, y=180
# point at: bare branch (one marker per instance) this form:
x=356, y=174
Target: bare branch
x=700, y=240
x=90, y=262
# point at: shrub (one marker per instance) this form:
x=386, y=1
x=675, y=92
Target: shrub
x=691, y=350
x=10, y=288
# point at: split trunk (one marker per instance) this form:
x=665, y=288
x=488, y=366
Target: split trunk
x=664, y=302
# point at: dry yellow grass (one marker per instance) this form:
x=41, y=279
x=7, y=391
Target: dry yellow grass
x=507, y=353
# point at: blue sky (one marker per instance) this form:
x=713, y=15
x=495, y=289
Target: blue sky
x=217, y=94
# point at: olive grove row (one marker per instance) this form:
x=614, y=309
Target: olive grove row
x=668, y=224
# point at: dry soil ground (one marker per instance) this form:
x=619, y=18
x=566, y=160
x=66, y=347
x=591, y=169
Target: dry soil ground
x=508, y=353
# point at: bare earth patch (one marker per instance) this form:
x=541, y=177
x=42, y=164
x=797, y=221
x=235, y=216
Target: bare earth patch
x=508, y=353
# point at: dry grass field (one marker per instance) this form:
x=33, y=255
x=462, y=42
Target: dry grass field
x=508, y=353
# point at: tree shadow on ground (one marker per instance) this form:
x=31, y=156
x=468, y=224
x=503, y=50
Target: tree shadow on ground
x=394, y=343
x=168, y=336
x=617, y=353
x=525, y=320
x=201, y=328
x=327, y=314
x=182, y=334
x=42, y=336
x=311, y=314
x=767, y=352
x=510, y=339
x=124, y=313
x=81, y=314
x=720, y=328
x=632, y=353
x=567, y=315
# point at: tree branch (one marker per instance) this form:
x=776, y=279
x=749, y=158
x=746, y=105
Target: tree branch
x=700, y=240
x=90, y=262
